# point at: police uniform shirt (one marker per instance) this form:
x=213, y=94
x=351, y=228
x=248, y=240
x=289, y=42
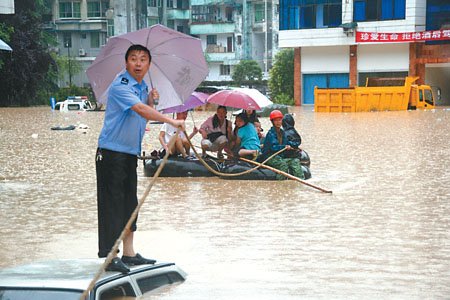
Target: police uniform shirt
x=123, y=128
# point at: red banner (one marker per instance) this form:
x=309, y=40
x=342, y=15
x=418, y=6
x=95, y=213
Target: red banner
x=393, y=37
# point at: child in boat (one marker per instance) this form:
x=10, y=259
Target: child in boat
x=181, y=145
x=259, y=130
x=247, y=140
x=292, y=135
x=276, y=139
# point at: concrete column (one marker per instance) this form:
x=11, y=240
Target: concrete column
x=83, y=10
x=353, y=66
x=412, y=59
x=421, y=73
x=416, y=64
x=297, y=77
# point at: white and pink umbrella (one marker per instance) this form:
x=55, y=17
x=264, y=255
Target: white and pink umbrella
x=244, y=98
x=178, y=64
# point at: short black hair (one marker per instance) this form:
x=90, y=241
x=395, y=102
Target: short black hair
x=243, y=116
x=138, y=47
x=222, y=107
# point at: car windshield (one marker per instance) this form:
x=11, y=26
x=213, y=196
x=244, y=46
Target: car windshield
x=39, y=294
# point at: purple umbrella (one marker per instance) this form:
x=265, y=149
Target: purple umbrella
x=194, y=100
x=178, y=64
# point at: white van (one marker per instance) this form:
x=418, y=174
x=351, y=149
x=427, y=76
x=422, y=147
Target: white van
x=74, y=103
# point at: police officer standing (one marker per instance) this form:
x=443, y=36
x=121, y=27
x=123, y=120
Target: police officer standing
x=119, y=144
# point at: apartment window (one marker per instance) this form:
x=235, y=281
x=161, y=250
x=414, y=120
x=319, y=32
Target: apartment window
x=110, y=27
x=202, y=13
x=229, y=14
x=438, y=14
x=182, y=4
x=154, y=3
x=152, y=21
x=259, y=13
x=67, y=40
x=438, y=17
x=169, y=3
x=306, y=14
x=69, y=9
x=225, y=69
x=95, y=39
x=230, y=44
x=378, y=10
x=211, y=40
x=97, y=9
x=239, y=39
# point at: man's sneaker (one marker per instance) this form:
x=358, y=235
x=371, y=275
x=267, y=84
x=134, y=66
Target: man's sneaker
x=117, y=265
x=137, y=260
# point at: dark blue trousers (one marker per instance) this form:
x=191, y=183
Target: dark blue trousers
x=116, y=195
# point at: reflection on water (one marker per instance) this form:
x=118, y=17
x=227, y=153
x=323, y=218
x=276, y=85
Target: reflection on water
x=383, y=233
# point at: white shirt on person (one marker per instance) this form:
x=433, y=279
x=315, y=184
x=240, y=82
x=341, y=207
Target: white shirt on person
x=169, y=131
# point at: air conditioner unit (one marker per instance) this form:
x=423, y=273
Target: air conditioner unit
x=81, y=52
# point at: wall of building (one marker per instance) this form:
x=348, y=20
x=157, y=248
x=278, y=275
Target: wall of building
x=383, y=57
x=125, y=19
x=331, y=59
x=414, y=21
x=7, y=7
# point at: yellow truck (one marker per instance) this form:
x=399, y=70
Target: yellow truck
x=379, y=94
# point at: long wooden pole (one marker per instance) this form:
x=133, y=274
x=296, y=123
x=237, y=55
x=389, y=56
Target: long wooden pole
x=285, y=174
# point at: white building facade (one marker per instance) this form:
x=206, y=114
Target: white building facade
x=230, y=31
x=322, y=32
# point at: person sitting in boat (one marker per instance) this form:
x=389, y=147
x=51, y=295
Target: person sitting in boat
x=276, y=140
x=181, y=145
x=292, y=135
x=251, y=115
x=259, y=130
x=247, y=141
x=215, y=132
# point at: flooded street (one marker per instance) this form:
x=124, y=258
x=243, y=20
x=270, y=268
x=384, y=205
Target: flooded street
x=383, y=233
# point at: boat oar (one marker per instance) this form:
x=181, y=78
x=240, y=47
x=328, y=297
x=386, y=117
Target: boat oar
x=285, y=174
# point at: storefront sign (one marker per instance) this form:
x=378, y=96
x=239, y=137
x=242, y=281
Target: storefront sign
x=392, y=37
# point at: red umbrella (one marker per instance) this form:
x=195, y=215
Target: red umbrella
x=244, y=98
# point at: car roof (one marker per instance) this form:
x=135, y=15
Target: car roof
x=74, y=274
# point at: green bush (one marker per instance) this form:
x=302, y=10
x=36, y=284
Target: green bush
x=284, y=98
x=73, y=90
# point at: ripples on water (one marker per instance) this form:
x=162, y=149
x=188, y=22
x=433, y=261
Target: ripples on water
x=383, y=233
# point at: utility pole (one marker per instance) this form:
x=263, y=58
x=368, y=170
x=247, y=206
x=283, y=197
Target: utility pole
x=266, y=28
x=70, y=66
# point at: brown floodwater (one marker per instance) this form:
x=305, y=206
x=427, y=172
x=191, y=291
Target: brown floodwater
x=383, y=233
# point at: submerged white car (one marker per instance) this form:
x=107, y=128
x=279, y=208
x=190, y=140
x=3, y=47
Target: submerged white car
x=74, y=103
x=67, y=280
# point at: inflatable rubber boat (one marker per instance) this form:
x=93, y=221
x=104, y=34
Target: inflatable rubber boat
x=192, y=167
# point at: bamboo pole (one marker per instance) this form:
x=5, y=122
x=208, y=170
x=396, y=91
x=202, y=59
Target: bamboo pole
x=285, y=174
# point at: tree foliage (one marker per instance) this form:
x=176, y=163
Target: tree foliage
x=247, y=72
x=24, y=70
x=281, y=81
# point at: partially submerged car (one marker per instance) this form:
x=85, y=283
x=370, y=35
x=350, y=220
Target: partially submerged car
x=74, y=103
x=67, y=280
